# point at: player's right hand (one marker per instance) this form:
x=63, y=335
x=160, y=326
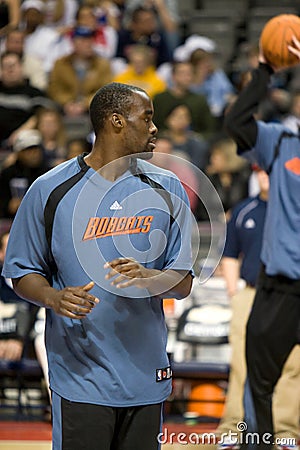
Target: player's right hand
x=295, y=48
x=74, y=302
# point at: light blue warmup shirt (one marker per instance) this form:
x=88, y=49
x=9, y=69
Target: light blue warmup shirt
x=116, y=356
x=281, y=243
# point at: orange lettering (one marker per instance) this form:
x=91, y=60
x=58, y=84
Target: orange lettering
x=130, y=223
x=147, y=224
x=121, y=224
x=91, y=228
x=108, y=226
x=139, y=221
x=112, y=225
x=102, y=226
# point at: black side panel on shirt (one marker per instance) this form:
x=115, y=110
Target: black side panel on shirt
x=156, y=186
x=53, y=200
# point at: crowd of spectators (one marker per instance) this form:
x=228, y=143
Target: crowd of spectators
x=55, y=54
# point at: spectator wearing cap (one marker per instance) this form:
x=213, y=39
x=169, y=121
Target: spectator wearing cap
x=41, y=41
x=184, y=51
x=18, y=100
x=209, y=79
x=105, y=37
x=75, y=78
x=17, y=178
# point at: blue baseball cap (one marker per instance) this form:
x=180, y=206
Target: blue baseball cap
x=83, y=32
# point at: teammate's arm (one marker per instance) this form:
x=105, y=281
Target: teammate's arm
x=74, y=302
x=240, y=122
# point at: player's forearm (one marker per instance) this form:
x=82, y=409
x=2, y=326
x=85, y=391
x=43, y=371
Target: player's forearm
x=169, y=283
x=36, y=289
x=239, y=121
x=125, y=272
x=230, y=270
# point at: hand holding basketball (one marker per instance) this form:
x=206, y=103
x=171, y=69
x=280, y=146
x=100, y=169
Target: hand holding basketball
x=295, y=48
x=280, y=41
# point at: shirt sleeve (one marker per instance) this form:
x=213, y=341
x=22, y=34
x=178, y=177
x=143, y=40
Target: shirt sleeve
x=264, y=150
x=27, y=250
x=179, y=249
x=240, y=122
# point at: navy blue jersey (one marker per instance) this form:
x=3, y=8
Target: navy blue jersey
x=117, y=355
x=281, y=243
x=244, y=236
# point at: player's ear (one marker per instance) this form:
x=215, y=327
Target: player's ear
x=117, y=120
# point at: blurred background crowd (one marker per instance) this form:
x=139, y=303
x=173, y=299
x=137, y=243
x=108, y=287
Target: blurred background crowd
x=192, y=57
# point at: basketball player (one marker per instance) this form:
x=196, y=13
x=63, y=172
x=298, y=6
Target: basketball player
x=98, y=241
x=274, y=322
x=241, y=258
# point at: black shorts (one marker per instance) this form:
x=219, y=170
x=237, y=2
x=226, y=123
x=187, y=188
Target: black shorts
x=84, y=426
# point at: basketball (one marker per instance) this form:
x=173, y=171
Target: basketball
x=276, y=36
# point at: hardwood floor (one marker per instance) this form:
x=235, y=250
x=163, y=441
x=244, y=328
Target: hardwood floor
x=37, y=435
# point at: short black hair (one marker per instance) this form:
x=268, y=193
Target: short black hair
x=109, y=99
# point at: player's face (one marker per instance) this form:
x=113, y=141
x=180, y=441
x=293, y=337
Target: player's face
x=140, y=129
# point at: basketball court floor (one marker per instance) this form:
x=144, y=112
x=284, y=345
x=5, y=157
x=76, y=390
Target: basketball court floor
x=37, y=436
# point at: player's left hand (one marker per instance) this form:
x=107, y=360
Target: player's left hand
x=127, y=272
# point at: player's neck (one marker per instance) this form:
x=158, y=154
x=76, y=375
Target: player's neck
x=110, y=166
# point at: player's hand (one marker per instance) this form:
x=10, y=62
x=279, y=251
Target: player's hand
x=261, y=56
x=295, y=48
x=262, y=59
x=74, y=302
x=127, y=272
